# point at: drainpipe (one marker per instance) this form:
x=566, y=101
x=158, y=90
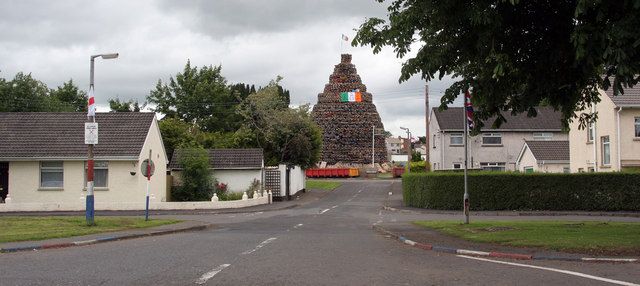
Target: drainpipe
x=595, y=141
x=618, y=139
x=441, y=150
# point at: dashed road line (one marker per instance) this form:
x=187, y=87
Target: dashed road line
x=298, y=225
x=324, y=211
x=203, y=279
x=333, y=207
x=618, y=282
x=261, y=245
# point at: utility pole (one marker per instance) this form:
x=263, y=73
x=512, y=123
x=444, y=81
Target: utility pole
x=91, y=118
x=426, y=117
x=408, y=148
x=373, y=146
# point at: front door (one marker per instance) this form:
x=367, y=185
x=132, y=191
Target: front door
x=4, y=180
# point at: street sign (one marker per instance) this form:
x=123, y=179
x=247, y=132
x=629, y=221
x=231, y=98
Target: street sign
x=143, y=167
x=91, y=133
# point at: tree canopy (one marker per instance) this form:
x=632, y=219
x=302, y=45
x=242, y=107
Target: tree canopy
x=26, y=94
x=514, y=54
x=287, y=135
x=124, y=106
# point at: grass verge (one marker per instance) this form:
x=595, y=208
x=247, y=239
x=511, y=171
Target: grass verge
x=25, y=228
x=617, y=238
x=322, y=185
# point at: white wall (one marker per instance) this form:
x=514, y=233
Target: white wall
x=237, y=180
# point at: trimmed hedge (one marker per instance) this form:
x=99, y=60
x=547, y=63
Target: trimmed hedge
x=518, y=191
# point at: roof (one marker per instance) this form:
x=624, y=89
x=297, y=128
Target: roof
x=226, y=158
x=59, y=135
x=547, y=120
x=631, y=96
x=549, y=150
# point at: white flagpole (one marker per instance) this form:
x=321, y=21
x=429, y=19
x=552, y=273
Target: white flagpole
x=466, y=136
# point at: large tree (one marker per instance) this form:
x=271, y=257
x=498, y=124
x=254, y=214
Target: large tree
x=287, y=135
x=199, y=96
x=514, y=54
x=71, y=95
x=124, y=106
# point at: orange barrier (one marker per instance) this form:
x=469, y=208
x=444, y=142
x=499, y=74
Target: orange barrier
x=332, y=173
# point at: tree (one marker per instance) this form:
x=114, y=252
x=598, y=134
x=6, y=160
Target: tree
x=199, y=96
x=124, y=106
x=287, y=135
x=513, y=55
x=70, y=94
x=195, y=177
x=177, y=133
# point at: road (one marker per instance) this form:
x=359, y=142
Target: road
x=326, y=242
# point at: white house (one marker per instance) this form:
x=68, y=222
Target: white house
x=548, y=156
x=237, y=168
x=43, y=159
x=613, y=142
x=492, y=149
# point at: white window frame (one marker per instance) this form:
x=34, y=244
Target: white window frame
x=637, y=126
x=51, y=169
x=490, y=166
x=98, y=166
x=590, y=132
x=542, y=136
x=491, y=135
x=606, y=150
x=456, y=135
x=433, y=142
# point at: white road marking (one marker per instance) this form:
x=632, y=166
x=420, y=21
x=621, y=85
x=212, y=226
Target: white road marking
x=377, y=222
x=298, y=225
x=390, y=193
x=324, y=211
x=203, y=279
x=359, y=191
x=333, y=207
x=261, y=245
x=618, y=282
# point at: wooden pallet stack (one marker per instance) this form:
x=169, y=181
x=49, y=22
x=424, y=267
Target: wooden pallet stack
x=347, y=126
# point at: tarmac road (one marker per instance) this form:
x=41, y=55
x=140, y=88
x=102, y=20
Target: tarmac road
x=328, y=241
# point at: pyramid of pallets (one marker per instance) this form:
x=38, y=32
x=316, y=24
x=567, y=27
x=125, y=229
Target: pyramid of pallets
x=347, y=126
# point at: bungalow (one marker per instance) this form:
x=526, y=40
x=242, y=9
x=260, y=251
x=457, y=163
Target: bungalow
x=43, y=159
x=237, y=168
x=613, y=142
x=551, y=156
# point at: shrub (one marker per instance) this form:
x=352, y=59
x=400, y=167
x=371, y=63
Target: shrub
x=420, y=167
x=196, y=178
x=517, y=191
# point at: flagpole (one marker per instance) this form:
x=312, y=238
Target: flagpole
x=466, y=136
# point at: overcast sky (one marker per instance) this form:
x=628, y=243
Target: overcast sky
x=254, y=41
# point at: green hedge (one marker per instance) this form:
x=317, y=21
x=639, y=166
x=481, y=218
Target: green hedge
x=517, y=191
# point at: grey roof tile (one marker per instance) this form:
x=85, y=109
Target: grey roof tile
x=549, y=150
x=631, y=96
x=61, y=134
x=226, y=158
x=547, y=119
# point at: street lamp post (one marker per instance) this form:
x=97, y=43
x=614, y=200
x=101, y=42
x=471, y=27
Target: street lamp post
x=90, y=212
x=408, y=148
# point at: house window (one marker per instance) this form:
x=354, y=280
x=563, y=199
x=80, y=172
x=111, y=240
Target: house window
x=456, y=139
x=457, y=165
x=542, y=136
x=528, y=170
x=590, y=133
x=492, y=166
x=100, y=174
x=606, y=150
x=434, y=141
x=51, y=174
x=637, y=124
x=491, y=139
x=567, y=170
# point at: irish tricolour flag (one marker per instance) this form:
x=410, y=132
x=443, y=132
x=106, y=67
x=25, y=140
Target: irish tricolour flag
x=352, y=96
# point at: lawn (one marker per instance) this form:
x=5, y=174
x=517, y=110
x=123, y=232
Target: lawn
x=24, y=228
x=569, y=236
x=322, y=185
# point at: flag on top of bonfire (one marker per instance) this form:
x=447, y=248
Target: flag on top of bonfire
x=91, y=110
x=345, y=38
x=468, y=108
